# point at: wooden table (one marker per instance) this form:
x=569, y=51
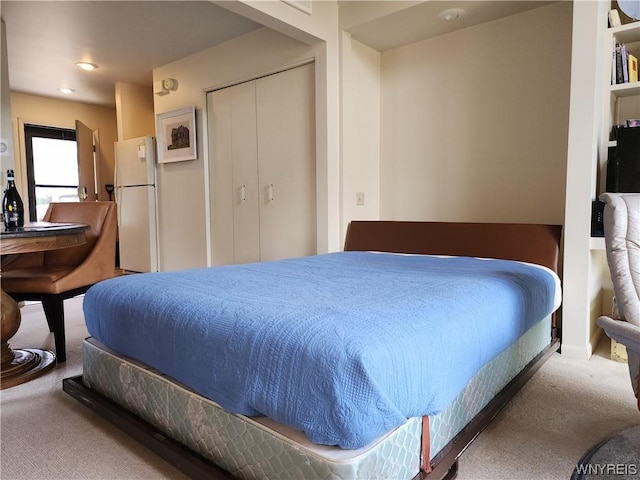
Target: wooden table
x=20, y=366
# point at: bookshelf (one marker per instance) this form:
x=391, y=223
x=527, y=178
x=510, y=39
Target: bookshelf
x=625, y=89
x=620, y=102
x=623, y=98
x=628, y=33
x=595, y=106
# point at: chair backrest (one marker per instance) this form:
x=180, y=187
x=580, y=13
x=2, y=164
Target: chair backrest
x=622, y=239
x=101, y=218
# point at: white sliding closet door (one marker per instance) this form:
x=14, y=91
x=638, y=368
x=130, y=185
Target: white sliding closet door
x=286, y=162
x=220, y=175
x=234, y=175
x=262, y=168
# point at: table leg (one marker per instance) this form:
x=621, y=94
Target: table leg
x=18, y=366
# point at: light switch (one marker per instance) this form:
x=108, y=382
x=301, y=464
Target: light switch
x=359, y=198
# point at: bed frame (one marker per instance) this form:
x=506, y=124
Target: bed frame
x=538, y=244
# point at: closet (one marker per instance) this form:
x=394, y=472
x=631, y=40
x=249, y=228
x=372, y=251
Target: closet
x=262, y=168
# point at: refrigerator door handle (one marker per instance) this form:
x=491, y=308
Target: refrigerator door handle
x=116, y=196
x=116, y=181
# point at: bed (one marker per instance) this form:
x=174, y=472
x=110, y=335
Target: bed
x=384, y=360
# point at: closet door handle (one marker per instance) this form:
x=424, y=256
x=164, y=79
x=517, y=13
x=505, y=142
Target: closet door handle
x=271, y=192
x=243, y=193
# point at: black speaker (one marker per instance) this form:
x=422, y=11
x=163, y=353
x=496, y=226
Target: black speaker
x=623, y=164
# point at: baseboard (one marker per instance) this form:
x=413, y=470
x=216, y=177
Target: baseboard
x=577, y=352
x=596, y=338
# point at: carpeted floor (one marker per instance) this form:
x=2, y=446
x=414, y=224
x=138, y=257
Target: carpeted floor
x=566, y=408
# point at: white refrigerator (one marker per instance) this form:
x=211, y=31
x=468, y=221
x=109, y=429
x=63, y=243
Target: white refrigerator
x=135, y=194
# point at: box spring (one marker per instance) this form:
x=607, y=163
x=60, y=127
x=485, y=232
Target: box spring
x=257, y=447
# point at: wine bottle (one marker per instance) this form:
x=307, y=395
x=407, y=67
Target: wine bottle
x=12, y=206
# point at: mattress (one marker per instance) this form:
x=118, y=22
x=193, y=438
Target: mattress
x=325, y=344
x=258, y=447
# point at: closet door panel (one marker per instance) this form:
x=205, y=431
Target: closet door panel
x=220, y=176
x=286, y=163
x=246, y=223
x=235, y=230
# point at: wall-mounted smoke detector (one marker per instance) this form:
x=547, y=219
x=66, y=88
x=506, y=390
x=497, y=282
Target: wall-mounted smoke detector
x=451, y=14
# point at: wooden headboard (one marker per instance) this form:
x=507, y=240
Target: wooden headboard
x=539, y=244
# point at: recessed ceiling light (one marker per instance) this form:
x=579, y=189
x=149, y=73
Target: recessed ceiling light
x=66, y=90
x=451, y=14
x=86, y=65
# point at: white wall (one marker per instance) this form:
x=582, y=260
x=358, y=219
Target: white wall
x=583, y=269
x=6, y=132
x=360, y=132
x=134, y=110
x=474, y=123
x=466, y=126
x=182, y=186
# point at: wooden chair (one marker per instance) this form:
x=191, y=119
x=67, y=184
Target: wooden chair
x=52, y=277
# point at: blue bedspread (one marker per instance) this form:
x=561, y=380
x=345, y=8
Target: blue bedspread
x=342, y=346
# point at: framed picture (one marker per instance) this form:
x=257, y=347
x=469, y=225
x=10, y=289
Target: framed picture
x=176, y=135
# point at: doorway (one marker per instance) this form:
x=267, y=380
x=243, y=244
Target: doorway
x=52, y=167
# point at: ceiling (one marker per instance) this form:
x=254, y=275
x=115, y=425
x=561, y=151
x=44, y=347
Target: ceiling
x=422, y=21
x=128, y=39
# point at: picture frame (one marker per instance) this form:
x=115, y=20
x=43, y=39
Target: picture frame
x=176, y=132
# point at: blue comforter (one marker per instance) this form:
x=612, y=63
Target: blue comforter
x=342, y=346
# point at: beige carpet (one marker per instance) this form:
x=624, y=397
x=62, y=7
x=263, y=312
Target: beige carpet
x=566, y=408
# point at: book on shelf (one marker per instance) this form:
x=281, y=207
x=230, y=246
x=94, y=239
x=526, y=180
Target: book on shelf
x=614, y=65
x=633, y=68
x=624, y=53
x=624, y=65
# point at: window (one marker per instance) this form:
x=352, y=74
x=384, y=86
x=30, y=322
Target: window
x=52, y=167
